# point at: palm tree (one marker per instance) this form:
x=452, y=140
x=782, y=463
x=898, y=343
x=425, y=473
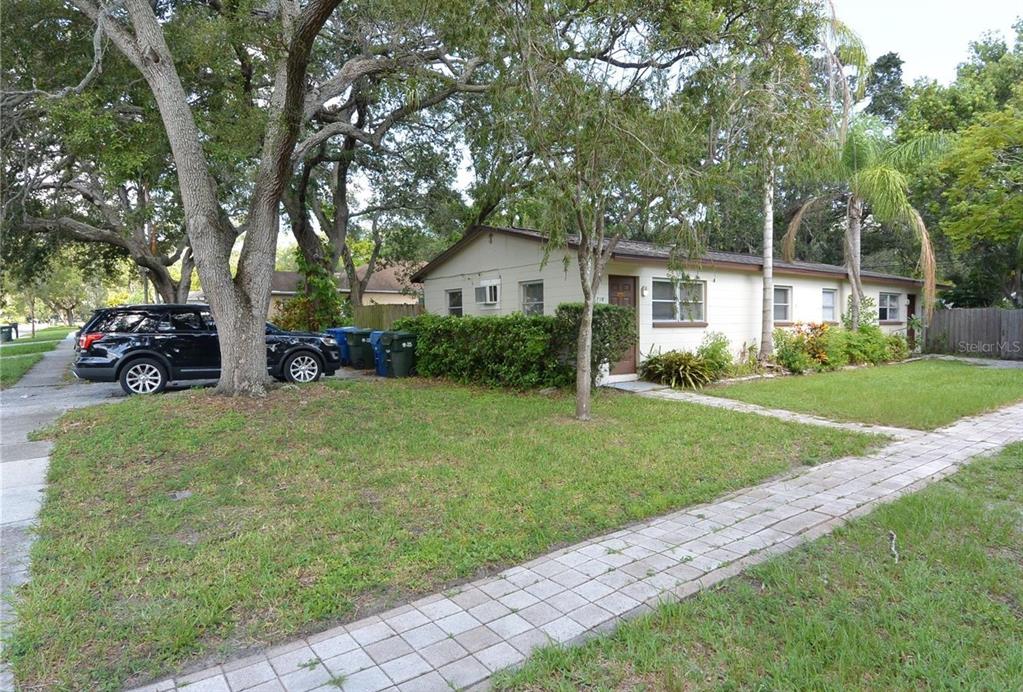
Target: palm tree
x=872, y=170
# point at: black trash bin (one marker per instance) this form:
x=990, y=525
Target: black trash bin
x=359, y=349
x=6, y=333
x=399, y=353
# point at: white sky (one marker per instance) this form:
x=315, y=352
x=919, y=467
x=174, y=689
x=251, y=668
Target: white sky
x=931, y=36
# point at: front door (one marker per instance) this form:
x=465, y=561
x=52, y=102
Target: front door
x=621, y=290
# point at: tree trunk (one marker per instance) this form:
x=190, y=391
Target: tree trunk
x=583, y=367
x=163, y=284
x=185, y=283
x=854, y=230
x=767, y=302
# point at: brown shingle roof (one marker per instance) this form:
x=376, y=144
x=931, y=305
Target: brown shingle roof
x=638, y=249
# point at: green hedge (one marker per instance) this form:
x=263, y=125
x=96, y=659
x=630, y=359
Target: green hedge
x=810, y=347
x=515, y=350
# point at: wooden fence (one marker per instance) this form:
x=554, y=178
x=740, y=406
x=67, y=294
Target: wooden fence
x=981, y=332
x=382, y=316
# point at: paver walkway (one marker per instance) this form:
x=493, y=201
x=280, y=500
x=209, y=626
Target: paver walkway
x=459, y=638
x=37, y=400
x=744, y=407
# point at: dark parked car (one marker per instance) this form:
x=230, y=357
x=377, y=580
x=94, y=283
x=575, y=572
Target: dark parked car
x=146, y=346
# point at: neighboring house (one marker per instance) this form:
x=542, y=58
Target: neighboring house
x=497, y=271
x=387, y=285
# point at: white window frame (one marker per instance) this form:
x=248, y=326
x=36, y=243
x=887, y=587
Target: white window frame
x=461, y=302
x=680, y=314
x=881, y=300
x=491, y=296
x=534, y=304
x=833, y=292
x=775, y=304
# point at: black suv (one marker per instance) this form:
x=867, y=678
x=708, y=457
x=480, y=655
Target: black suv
x=146, y=346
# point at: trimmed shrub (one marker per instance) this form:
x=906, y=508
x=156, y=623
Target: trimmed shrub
x=517, y=351
x=867, y=345
x=614, y=331
x=716, y=354
x=677, y=369
x=898, y=347
x=513, y=351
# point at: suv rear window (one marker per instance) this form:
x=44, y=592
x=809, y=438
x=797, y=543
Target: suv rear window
x=119, y=322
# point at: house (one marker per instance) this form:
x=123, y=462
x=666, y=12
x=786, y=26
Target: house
x=387, y=286
x=498, y=271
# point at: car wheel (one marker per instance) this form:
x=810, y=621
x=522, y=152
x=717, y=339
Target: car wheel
x=143, y=376
x=302, y=367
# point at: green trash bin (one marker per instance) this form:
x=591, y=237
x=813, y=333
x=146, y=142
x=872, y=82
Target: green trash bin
x=6, y=333
x=399, y=353
x=360, y=350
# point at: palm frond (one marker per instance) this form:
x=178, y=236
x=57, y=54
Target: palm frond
x=885, y=189
x=860, y=149
x=788, y=241
x=852, y=52
x=917, y=150
x=928, y=265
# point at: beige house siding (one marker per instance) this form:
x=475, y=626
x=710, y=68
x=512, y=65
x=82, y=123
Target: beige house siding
x=732, y=297
x=369, y=298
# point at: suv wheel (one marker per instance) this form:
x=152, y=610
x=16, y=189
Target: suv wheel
x=302, y=367
x=143, y=376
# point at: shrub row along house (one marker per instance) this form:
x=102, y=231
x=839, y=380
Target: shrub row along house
x=501, y=270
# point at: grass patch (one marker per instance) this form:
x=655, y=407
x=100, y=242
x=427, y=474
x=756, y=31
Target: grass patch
x=13, y=368
x=47, y=334
x=18, y=349
x=16, y=357
x=841, y=614
x=922, y=395
x=188, y=525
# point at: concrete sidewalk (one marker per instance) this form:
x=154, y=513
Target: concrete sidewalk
x=459, y=638
x=41, y=397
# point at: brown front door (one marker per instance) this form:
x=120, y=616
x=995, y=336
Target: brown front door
x=622, y=291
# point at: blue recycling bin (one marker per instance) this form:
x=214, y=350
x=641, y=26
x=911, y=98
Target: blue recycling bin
x=340, y=336
x=379, y=356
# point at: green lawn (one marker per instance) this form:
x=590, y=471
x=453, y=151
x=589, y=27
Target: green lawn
x=16, y=357
x=13, y=368
x=17, y=348
x=46, y=334
x=841, y=614
x=330, y=501
x=923, y=394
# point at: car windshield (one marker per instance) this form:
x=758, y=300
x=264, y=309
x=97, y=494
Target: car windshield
x=273, y=329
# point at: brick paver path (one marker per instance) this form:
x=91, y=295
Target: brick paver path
x=459, y=638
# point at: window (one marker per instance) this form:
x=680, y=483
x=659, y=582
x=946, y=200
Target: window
x=185, y=322
x=455, y=302
x=782, y=303
x=678, y=301
x=120, y=322
x=207, y=318
x=488, y=293
x=888, y=307
x=829, y=298
x=532, y=298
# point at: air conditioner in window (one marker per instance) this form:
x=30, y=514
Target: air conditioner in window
x=488, y=294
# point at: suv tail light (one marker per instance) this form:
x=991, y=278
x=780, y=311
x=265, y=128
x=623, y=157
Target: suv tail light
x=85, y=341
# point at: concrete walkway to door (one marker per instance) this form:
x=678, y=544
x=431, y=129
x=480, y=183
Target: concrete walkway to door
x=459, y=638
